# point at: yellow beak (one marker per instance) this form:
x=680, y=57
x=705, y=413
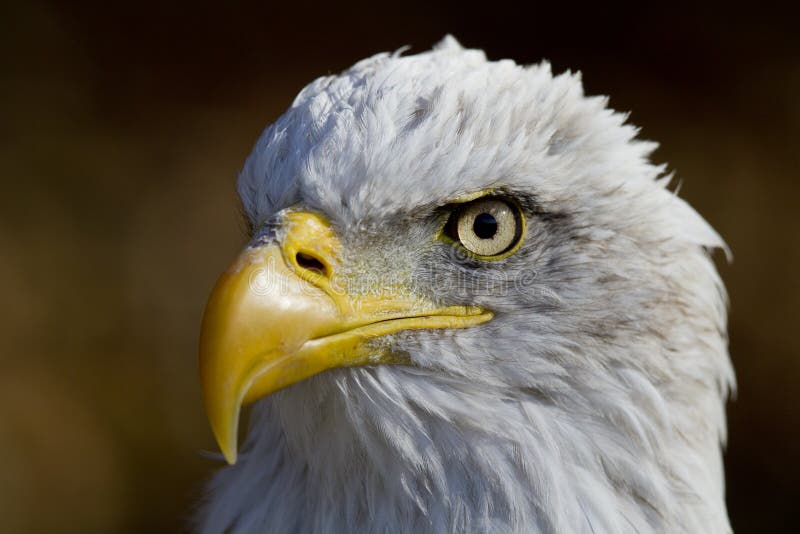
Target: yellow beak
x=276, y=317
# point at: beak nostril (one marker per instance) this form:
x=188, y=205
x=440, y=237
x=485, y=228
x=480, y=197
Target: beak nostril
x=309, y=262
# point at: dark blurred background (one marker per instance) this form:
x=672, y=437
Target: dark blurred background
x=122, y=128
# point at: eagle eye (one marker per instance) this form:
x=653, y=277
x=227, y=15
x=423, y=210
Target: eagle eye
x=490, y=228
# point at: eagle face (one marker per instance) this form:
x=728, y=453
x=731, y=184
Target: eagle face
x=469, y=304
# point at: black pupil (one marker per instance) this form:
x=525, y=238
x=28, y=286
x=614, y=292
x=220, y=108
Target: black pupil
x=485, y=226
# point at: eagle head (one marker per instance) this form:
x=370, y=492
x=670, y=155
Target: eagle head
x=469, y=303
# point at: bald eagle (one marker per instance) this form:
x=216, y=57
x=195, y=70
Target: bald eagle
x=470, y=303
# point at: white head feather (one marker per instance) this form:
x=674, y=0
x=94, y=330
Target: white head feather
x=592, y=402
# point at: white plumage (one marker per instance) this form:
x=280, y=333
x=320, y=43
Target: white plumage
x=592, y=402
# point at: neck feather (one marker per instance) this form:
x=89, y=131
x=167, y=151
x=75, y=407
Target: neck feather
x=373, y=448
